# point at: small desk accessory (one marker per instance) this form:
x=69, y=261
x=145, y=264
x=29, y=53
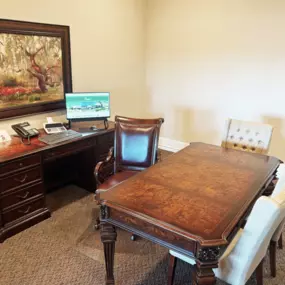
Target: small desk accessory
x=52, y=128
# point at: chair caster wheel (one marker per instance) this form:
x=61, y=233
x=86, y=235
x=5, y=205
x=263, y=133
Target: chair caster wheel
x=133, y=237
x=96, y=227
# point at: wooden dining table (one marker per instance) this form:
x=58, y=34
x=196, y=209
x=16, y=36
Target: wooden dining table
x=193, y=202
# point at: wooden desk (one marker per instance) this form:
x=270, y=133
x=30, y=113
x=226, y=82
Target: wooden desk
x=193, y=202
x=27, y=172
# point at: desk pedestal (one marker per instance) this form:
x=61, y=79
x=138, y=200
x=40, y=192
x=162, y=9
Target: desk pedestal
x=28, y=172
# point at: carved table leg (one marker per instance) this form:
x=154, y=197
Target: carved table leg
x=203, y=275
x=108, y=238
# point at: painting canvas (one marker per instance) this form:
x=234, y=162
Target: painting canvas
x=35, y=70
x=30, y=70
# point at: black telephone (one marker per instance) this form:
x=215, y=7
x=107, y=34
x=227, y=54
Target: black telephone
x=25, y=131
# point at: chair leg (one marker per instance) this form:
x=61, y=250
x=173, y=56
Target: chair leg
x=171, y=269
x=97, y=225
x=272, y=253
x=280, y=242
x=259, y=273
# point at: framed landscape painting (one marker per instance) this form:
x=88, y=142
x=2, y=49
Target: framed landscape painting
x=35, y=67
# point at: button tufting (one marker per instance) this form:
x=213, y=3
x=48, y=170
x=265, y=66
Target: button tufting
x=244, y=136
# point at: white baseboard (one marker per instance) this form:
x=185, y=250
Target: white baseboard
x=171, y=145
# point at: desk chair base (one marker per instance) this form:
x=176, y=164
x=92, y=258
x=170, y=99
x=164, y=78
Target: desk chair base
x=97, y=225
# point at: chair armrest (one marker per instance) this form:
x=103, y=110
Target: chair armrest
x=104, y=169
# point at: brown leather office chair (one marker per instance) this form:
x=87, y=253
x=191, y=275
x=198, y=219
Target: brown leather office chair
x=135, y=149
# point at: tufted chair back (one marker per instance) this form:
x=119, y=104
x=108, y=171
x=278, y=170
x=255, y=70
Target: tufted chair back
x=247, y=136
x=136, y=142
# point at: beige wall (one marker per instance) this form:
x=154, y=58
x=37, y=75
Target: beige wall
x=193, y=62
x=107, y=47
x=210, y=60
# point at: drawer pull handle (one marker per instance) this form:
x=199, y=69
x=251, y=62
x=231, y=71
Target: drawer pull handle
x=21, y=164
x=21, y=179
x=25, y=196
x=26, y=211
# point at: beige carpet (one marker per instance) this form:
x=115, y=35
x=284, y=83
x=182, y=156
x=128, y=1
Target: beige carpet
x=65, y=250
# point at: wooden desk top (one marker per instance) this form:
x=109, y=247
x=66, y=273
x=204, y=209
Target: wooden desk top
x=15, y=148
x=200, y=192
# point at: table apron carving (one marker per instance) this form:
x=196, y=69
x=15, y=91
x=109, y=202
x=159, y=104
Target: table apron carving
x=148, y=230
x=205, y=254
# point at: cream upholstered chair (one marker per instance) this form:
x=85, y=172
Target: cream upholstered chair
x=247, y=136
x=246, y=252
x=277, y=236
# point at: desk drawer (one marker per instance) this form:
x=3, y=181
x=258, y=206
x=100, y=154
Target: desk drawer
x=68, y=149
x=105, y=141
x=20, y=179
x=23, y=210
x=22, y=195
x=20, y=164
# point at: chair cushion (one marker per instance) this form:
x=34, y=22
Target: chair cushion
x=116, y=179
